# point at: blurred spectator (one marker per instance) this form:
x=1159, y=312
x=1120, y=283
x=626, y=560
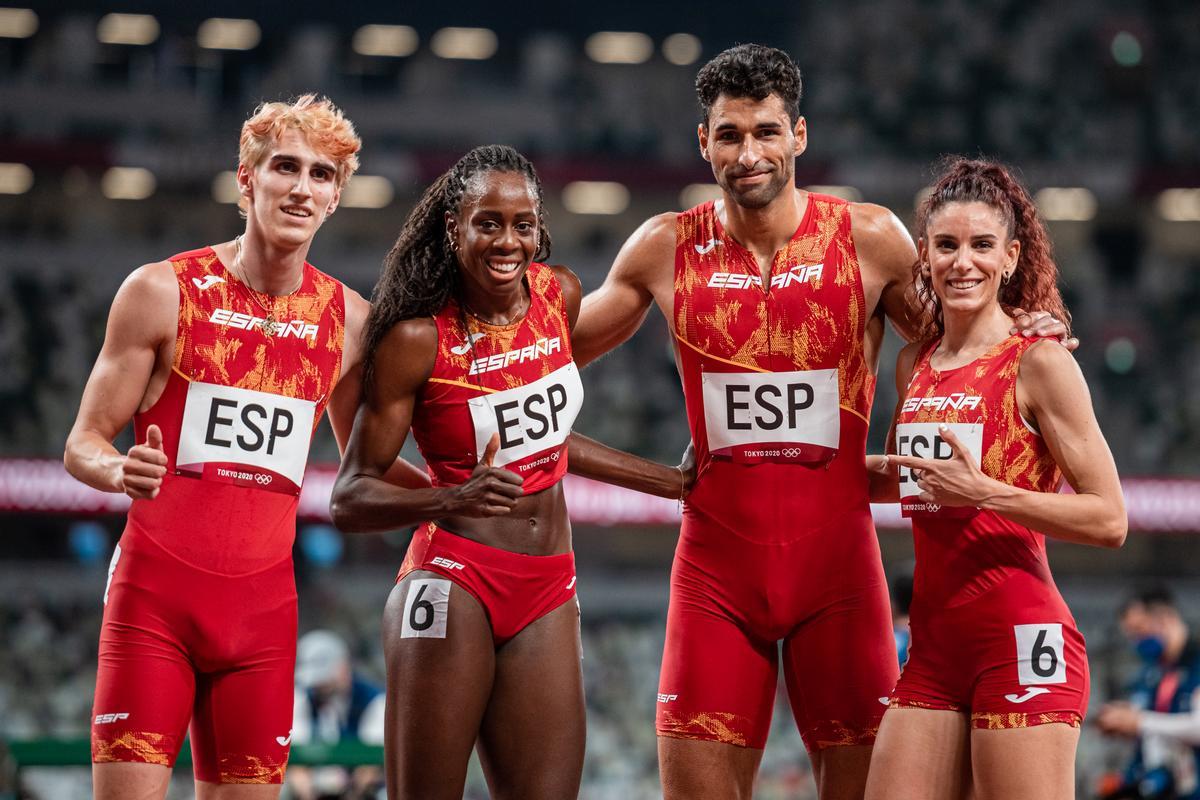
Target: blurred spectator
x=334, y=703
x=1163, y=710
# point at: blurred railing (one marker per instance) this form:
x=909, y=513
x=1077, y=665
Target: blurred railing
x=1163, y=505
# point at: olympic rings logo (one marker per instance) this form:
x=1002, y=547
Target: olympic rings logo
x=790, y=452
x=261, y=479
x=554, y=455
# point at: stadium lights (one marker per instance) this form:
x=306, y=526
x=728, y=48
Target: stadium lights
x=17, y=23
x=220, y=33
x=696, y=193
x=15, y=178
x=134, y=29
x=472, y=44
x=619, y=47
x=1179, y=205
x=127, y=183
x=225, y=187
x=595, y=197
x=845, y=192
x=681, y=49
x=367, y=191
x=395, y=41
x=1066, y=204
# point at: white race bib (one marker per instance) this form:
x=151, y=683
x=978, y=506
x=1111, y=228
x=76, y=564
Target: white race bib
x=245, y=437
x=772, y=416
x=530, y=419
x=922, y=440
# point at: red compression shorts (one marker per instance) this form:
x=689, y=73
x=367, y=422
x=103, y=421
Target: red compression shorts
x=824, y=594
x=180, y=643
x=1012, y=657
x=514, y=589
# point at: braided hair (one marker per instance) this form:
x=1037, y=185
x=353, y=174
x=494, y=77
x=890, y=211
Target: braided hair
x=420, y=272
x=1033, y=285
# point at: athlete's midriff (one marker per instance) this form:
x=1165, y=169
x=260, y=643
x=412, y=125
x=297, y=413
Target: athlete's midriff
x=777, y=387
x=516, y=381
x=963, y=553
x=237, y=415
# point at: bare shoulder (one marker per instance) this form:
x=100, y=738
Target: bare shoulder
x=572, y=290
x=568, y=280
x=404, y=358
x=154, y=281
x=148, y=299
x=1046, y=360
x=650, y=246
x=881, y=240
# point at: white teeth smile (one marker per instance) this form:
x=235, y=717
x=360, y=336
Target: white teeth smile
x=297, y=212
x=965, y=284
x=504, y=266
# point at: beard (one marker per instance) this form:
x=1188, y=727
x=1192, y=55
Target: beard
x=755, y=197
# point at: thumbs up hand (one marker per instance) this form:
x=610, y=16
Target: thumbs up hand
x=490, y=491
x=144, y=466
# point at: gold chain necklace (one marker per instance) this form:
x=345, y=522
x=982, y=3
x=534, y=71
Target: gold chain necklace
x=270, y=326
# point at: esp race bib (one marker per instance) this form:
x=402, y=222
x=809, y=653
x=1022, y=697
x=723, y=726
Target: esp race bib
x=922, y=440
x=786, y=417
x=245, y=437
x=530, y=419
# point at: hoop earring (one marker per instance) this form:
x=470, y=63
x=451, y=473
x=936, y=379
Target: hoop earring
x=1004, y=280
x=451, y=242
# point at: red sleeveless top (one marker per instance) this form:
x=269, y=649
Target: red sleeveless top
x=962, y=552
x=238, y=414
x=516, y=380
x=778, y=391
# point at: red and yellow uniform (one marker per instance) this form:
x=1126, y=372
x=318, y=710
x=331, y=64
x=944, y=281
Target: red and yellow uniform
x=990, y=633
x=518, y=381
x=777, y=539
x=200, y=610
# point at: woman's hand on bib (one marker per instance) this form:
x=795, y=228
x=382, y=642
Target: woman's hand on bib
x=954, y=481
x=490, y=491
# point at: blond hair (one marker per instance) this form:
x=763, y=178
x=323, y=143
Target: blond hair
x=321, y=123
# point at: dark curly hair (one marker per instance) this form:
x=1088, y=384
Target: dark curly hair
x=1034, y=283
x=420, y=272
x=750, y=70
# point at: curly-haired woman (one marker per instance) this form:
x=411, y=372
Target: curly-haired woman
x=988, y=423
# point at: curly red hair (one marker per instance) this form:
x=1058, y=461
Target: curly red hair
x=1034, y=283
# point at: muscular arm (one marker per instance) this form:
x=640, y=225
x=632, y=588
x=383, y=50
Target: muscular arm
x=141, y=321
x=643, y=272
x=363, y=499
x=1051, y=389
x=344, y=401
x=886, y=256
x=591, y=459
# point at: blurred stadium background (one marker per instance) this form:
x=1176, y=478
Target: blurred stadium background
x=118, y=128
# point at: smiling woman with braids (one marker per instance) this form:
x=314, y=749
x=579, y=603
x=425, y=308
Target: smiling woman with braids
x=468, y=343
x=990, y=702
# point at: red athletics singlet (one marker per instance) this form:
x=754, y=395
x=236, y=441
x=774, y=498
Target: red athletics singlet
x=515, y=380
x=200, y=612
x=775, y=375
x=990, y=632
x=518, y=381
x=777, y=540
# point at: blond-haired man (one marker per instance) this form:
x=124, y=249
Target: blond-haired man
x=224, y=358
